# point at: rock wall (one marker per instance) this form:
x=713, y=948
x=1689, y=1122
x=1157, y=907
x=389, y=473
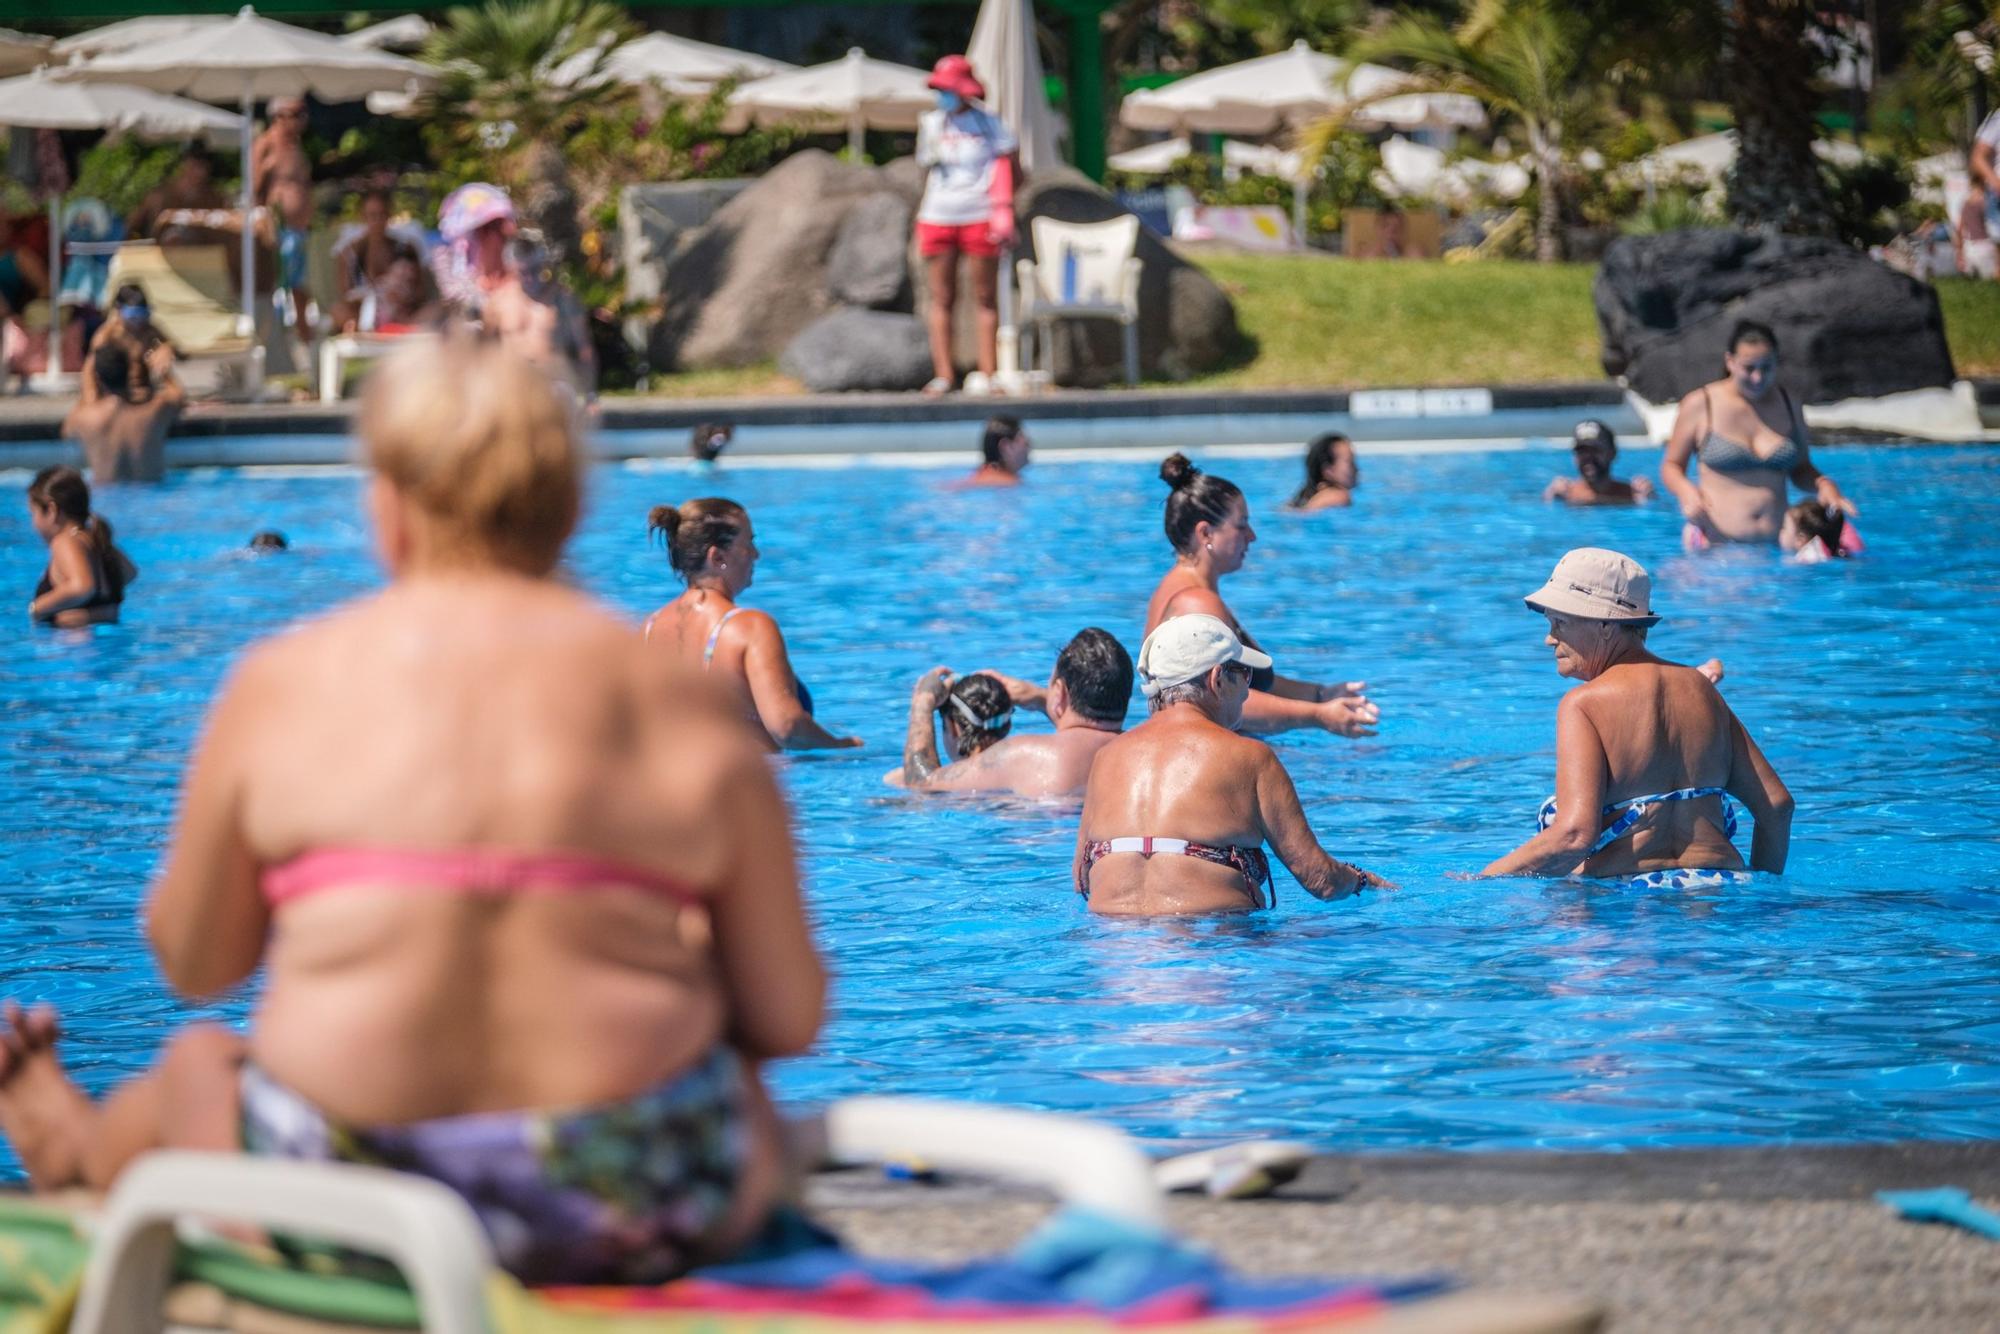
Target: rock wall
x=1848, y=326
x=817, y=235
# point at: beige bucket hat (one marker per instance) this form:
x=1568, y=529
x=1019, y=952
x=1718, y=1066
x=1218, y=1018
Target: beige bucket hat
x=1598, y=585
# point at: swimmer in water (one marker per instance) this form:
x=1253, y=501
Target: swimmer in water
x=1331, y=474
x=710, y=545
x=268, y=539
x=1086, y=699
x=974, y=711
x=123, y=431
x=1178, y=810
x=1648, y=753
x=1750, y=438
x=1208, y=522
x=707, y=441
x=1813, y=533
x=1595, y=449
x=86, y=577
x=1003, y=453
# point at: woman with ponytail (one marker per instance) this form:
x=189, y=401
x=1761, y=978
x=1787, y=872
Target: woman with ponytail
x=86, y=577
x=1208, y=521
x=710, y=545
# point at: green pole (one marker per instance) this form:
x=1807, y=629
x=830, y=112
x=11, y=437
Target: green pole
x=1086, y=85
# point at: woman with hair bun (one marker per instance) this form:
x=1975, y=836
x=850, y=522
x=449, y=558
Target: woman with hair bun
x=1208, y=521
x=86, y=577
x=710, y=545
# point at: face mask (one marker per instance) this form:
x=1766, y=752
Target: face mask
x=948, y=102
x=134, y=314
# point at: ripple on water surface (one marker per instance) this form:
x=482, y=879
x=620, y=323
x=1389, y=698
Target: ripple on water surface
x=1856, y=997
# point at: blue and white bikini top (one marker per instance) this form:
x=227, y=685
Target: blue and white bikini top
x=1725, y=455
x=1629, y=813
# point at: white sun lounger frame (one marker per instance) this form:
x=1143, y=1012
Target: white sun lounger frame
x=433, y=1237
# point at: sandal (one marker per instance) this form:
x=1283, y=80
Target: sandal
x=937, y=387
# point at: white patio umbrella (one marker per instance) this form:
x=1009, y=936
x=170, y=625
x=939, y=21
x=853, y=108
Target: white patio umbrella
x=1424, y=111
x=1154, y=159
x=679, y=66
x=131, y=35
x=1007, y=60
x=248, y=59
x=37, y=101
x=404, y=33
x=855, y=92
x=1712, y=155
x=22, y=51
x=1261, y=96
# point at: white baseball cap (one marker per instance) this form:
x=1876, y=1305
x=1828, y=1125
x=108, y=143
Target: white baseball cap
x=1598, y=585
x=1187, y=647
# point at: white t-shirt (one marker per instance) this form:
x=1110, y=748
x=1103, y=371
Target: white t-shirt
x=1989, y=131
x=960, y=150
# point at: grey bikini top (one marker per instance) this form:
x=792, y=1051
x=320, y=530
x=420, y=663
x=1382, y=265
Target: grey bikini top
x=1725, y=455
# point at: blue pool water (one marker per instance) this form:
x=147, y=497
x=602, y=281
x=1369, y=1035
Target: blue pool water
x=1857, y=997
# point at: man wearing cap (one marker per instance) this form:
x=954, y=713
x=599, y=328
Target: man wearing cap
x=1648, y=753
x=1594, y=448
x=1178, y=809
x=1086, y=699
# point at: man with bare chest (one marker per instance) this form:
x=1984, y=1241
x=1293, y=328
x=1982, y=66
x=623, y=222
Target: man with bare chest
x=282, y=179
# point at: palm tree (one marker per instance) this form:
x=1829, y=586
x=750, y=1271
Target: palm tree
x=1776, y=180
x=500, y=96
x=1530, y=61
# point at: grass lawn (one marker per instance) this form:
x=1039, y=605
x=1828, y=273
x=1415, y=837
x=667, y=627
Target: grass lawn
x=1972, y=324
x=1320, y=322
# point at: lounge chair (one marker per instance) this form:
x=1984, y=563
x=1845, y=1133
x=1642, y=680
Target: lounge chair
x=1107, y=1185
x=193, y=300
x=1082, y=270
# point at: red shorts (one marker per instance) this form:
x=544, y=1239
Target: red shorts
x=971, y=238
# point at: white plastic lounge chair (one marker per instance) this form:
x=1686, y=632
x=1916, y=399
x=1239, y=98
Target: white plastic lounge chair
x=432, y=1236
x=1082, y=270
x=193, y=300
x=434, y=1239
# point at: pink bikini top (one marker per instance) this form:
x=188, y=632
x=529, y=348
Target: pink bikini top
x=485, y=871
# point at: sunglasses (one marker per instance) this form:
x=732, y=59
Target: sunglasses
x=1236, y=671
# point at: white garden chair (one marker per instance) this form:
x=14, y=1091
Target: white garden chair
x=1082, y=270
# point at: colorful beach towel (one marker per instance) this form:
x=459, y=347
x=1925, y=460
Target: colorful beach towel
x=1080, y=1272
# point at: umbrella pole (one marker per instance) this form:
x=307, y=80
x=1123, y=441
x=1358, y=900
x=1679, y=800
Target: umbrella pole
x=857, y=139
x=1007, y=342
x=1299, y=210
x=52, y=372
x=249, y=241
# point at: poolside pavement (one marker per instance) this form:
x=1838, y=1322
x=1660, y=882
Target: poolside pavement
x=1749, y=1239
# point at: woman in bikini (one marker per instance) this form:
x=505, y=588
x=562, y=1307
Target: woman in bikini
x=1208, y=521
x=710, y=545
x=1178, y=809
x=1648, y=753
x=1331, y=474
x=528, y=919
x=1750, y=437
x=86, y=576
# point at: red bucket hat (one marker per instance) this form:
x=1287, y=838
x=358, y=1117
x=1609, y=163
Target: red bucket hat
x=953, y=74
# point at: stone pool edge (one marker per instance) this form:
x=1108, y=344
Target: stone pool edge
x=309, y=434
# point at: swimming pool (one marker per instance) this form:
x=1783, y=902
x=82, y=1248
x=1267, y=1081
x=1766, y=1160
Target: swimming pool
x=1858, y=997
